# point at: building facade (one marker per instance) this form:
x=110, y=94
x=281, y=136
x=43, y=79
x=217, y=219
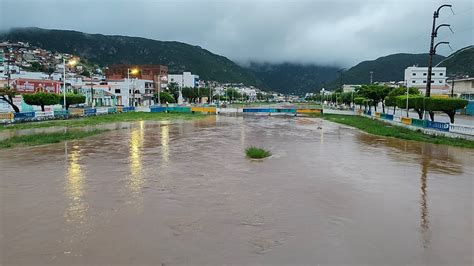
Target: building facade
x=417, y=77
x=184, y=80
x=158, y=74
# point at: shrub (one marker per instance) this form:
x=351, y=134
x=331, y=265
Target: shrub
x=257, y=153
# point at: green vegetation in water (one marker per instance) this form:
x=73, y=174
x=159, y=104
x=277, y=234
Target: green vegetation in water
x=383, y=129
x=103, y=119
x=46, y=138
x=257, y=153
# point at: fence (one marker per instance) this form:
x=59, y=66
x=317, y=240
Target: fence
x=466, y=130
x=44, y=115
x=6, y=116
x=439, y=126
x=90, y=112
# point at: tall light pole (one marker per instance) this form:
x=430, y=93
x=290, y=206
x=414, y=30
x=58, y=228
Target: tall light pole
x=434, y=33
x=371, y=77
x=132, y=71
x=71, y=63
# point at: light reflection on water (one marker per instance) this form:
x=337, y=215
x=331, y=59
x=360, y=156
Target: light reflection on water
x=165, y=140
x=136, y=165
x=75, y=212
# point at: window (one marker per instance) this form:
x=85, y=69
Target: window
x=424, y=74
x=117, y=90
x=413, y=81
x=440, y=74
x=424, y=81
x=413, y=74
x=440, y=81
x=432, y=81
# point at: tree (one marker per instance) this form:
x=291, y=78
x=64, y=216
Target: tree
x=165, y=97
x=72, y=98
x=41, y=99
x=7, y=94
x=415, y=102
x=446, y=105
x=35, y=67
x=391, y=98
x=86, y=73
x=376, y=93
x=359, y=101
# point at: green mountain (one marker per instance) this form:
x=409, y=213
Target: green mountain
x=387, y=68
x=460, y=63
x=293, y=78
x=105, y=50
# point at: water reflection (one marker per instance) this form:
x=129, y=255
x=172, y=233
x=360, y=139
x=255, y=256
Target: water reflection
x=136, y=143
x=165, y=140
x=425, y=228
x=434, y=159
x=75, y=188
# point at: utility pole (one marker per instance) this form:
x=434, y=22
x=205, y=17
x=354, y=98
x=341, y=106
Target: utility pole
x=434, y=33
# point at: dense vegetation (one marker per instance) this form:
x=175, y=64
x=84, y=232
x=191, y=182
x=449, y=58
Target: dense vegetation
x=460, y=63
x=105, y=50
x=383, y=129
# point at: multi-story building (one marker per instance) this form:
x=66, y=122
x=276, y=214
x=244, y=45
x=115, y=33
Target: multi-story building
x=463, y=88
x=417, y=77
x=133, y=92
x=158, y=74
x=184, y=80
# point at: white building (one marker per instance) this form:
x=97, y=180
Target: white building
x=349, y=87
x=463, y=88
x=418, y=76
x=184, y=80
x=137, y=92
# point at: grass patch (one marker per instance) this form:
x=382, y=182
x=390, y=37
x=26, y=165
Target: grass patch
x=257, y=153
x=47, y=138
x=383, y=129
x=103, y=119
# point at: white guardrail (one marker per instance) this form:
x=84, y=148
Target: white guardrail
x=142, y=109
x=102, y=110
x=461, y=129
x=44, y=115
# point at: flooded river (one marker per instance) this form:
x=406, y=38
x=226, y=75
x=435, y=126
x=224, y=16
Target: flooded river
x=184, y=193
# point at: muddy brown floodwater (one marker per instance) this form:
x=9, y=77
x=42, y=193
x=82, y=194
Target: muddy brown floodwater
x=183, y=193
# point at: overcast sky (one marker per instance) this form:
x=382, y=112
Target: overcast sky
x=338, y=32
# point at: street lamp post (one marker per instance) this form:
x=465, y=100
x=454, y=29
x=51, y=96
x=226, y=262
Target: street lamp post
x=133, y=71
x=434, y=33
x=71, y=63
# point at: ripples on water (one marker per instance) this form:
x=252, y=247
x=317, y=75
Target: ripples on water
x=184, y=193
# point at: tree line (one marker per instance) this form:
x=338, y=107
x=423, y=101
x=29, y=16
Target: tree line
x=368, y=96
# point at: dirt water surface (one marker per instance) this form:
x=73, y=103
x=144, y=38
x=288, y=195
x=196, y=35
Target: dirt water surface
x=184, y=193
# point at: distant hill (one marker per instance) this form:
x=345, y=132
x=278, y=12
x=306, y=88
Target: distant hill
x=387, y=68
x=105, y=50
x=293, y=78
x=460, y=63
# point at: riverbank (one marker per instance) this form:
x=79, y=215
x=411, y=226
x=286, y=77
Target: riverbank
x=103, y=119
x=47, y=138
x=383, y=129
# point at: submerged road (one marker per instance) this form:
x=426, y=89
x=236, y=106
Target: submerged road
x=183, y=193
